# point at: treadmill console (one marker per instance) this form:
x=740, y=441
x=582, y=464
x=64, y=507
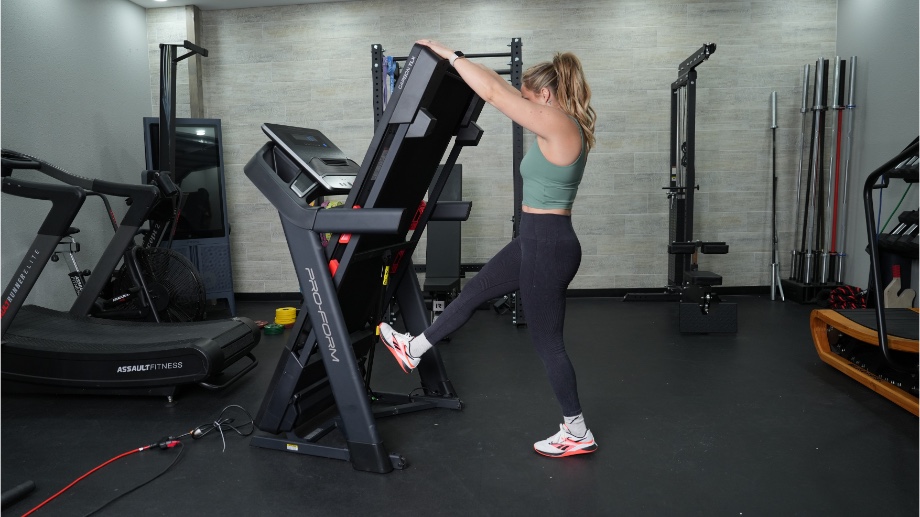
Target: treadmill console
x=324, y=168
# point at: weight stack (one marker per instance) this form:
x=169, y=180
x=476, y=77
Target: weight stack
x=721, y=318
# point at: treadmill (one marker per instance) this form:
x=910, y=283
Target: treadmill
x=322, y=381
x=877, y=346
x=49, y=351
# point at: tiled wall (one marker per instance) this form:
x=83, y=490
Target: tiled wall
x=310, y=65
x=74, y=91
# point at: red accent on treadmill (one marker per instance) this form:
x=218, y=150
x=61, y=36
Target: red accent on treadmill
x=418, y=215
x=333, y=266
x=396, y=261
x=346, y=237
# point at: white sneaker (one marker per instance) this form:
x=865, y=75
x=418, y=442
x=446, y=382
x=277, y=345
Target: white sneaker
x=564, y=444
x=398, y=345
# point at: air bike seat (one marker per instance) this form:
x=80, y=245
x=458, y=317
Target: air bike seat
x=326, y=366
x=51, y=351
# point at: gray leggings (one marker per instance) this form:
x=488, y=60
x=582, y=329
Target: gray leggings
x=541, y=262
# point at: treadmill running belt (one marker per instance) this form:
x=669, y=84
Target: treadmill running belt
x=47, y=346
x=899, y=322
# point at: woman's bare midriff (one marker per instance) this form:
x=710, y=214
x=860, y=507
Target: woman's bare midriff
x=556, y=211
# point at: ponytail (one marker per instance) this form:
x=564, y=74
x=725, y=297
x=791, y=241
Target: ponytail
x=565, y=77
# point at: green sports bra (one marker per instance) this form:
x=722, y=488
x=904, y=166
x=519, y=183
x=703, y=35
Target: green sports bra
x=550, y=186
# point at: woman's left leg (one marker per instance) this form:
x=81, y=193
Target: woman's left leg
x=550, y=256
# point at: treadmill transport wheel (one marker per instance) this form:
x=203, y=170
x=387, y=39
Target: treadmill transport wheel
x=173, y=282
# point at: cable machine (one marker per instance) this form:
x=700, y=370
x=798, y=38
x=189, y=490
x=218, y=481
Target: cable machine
x=700, y=308
x=515, y=72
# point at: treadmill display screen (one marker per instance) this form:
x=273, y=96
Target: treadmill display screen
x=311, y=151
x=309, y=140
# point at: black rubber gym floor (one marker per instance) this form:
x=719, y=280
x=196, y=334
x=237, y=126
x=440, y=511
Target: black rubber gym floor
x=746, y=424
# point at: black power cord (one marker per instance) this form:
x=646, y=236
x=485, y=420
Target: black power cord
x=223, y=424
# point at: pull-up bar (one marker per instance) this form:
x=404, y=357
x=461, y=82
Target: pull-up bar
x=492, y=54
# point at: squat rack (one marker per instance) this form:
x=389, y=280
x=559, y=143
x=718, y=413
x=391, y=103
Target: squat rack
x=515, y=71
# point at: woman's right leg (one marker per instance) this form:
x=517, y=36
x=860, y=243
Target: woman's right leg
x=497, y=278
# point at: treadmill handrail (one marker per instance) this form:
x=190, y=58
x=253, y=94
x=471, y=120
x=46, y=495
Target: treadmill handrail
x=47, y=192
x=358, y=221
x=66, y=201
x=451, y=211
x=17, y=160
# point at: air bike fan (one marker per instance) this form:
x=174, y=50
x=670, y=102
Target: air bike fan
x=175, y=286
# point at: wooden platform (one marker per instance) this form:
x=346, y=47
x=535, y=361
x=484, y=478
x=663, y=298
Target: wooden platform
x=823, y=320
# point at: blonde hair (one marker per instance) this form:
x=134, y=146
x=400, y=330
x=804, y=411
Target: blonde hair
x=565, y=78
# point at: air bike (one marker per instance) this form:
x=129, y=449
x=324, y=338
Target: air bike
x=51, y=351
x=323, y=376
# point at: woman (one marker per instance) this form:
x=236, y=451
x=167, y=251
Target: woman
x=541, y=261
